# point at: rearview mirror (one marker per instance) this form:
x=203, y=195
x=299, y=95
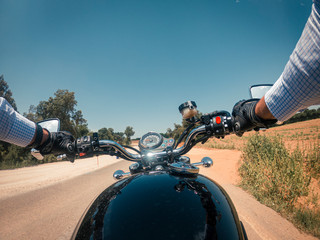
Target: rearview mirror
x=258, y=91
x=52, y=124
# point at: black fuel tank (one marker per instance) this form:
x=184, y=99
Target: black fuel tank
x=161, y=206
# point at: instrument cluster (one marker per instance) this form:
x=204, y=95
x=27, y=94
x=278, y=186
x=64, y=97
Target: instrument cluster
x=155, y=141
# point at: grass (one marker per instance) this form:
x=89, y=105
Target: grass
x=280, y=178
x=217, y=145
x=313, y=160
x=308, y=219
x=226, y=143
x=273, y=175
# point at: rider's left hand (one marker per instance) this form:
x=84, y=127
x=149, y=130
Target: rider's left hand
x=59, y=143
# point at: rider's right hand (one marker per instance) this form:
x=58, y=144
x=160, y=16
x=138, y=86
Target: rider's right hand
x=245, y=118
x=59, y=143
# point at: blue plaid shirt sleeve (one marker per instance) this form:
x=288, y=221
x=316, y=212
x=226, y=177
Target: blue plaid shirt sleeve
x=14, y=128
x=299, y=85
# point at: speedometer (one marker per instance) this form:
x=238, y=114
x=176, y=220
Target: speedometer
x=150, y=140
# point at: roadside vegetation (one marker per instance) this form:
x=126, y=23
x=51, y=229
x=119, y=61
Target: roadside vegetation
x=226, y=143
x=62, y=106
x=281, y=179
x=280, y=167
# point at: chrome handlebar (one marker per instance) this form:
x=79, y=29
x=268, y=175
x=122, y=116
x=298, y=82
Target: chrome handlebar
x=138, y=157
x=216, y=124
x=192, y=135
x=214, y=127
x=127, y=155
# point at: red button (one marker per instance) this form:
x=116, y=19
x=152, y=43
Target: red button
x=218, y=120
x=82, y=154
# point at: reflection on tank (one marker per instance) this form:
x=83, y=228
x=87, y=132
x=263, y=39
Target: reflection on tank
x=207, y=202
x=94, y=225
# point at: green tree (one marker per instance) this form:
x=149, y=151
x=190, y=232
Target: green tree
x=106, y=134
x=32, y=114
x=119, y=137
x=178, y=128
x=129, y=133
x=61, y=106
x=307, y=114
x=6, y=93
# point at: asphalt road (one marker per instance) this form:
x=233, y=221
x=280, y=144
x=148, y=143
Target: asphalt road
x=54, y=211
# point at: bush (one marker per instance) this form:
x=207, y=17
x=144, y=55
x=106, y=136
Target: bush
x=12, y=156
x=313, y=161
x=308, y=219
x=273, y=175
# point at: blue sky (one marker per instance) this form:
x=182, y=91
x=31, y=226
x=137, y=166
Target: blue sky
x=133, y=62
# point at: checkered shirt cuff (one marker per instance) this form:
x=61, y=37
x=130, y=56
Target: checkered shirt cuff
x=14, y=128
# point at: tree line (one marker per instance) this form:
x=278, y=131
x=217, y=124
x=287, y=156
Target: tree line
x=178, y=129
x=307, y=114
x=63, y=106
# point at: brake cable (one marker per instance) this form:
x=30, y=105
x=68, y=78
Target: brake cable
x=132, y=148
x=183, y=135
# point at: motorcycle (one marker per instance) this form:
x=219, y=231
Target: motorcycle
x=163, y=196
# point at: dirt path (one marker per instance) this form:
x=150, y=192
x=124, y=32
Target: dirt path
x=18, y=181
x=46, y=202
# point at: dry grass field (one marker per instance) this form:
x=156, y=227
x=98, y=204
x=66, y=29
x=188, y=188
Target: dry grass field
x=302, y=134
